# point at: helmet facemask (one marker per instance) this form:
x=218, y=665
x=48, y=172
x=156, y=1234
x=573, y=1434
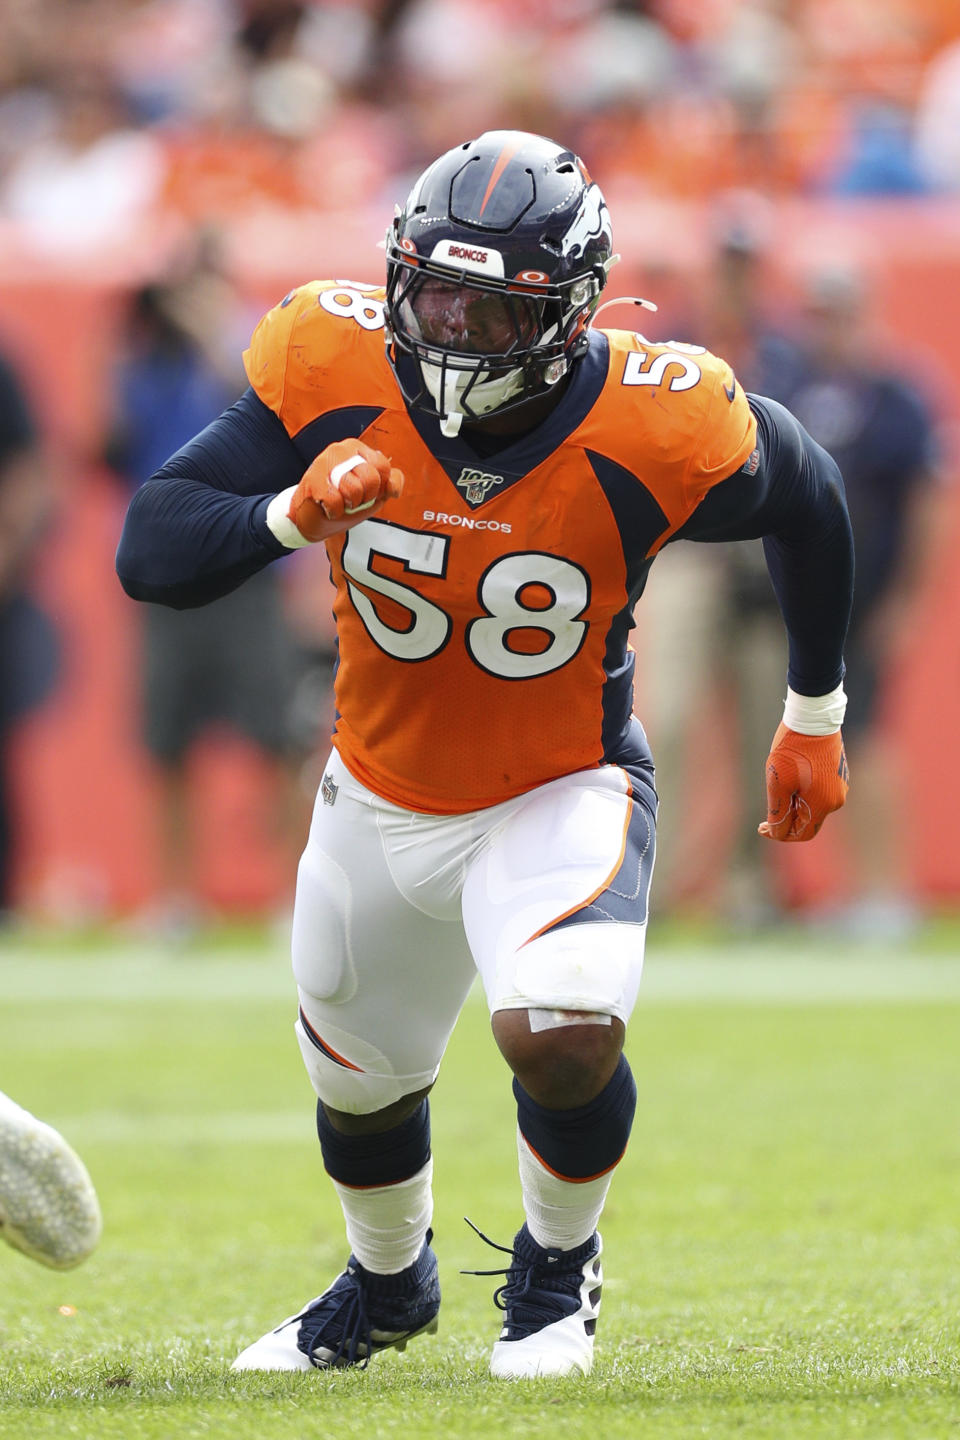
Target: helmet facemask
x=479, y=344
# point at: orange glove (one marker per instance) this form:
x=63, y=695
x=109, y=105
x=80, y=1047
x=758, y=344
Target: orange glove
x=346, y=483
x=807, y=777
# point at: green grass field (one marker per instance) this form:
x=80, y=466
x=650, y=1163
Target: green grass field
x=782, y=1242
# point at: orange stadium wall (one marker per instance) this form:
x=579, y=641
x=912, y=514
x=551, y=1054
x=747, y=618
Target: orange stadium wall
x=85, y=798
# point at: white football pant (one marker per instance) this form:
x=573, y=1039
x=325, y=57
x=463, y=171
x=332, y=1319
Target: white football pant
x=396, y=913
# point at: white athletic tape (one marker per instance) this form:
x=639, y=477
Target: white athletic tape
x=337, y=474
x=554, y=1019
x=279, y=521
x=815, y=714
x=344, y=468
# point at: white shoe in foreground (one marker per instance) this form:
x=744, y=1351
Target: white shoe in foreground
x=551, y=1301
x=48, y=1206
x=359, y=1314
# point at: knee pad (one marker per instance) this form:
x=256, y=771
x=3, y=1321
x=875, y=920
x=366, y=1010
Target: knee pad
x=594, y=967
x=349, y=1074
x=388, y=1157
x=586, y=1142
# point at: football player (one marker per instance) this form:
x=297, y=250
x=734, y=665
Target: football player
x=48, y=1205
x=491, y=478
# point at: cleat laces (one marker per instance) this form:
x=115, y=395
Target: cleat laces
x=542, y=1285
x=343, y=1310
x=340, y=1324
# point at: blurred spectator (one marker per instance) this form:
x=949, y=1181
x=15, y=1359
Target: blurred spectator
x=879, y=155
x=620, y=54
x=454, y=63
x=627, y=70
x=159, y=52
x=752, y=62
x=287, y=114
x=233, y=664
x=937, y=135
x=93, y=178
x=27, y=112
x=28, y=646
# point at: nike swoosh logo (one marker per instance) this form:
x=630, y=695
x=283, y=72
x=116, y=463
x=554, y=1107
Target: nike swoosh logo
x=730, y=391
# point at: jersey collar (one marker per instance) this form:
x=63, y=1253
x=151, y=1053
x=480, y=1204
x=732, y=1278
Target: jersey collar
x=479, y=478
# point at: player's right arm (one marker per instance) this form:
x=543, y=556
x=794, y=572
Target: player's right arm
x=198, y=527
x=235, y=498
x=243, y=492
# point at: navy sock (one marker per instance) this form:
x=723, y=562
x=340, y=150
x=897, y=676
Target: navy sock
x=385, y=1158
x=585, y=1142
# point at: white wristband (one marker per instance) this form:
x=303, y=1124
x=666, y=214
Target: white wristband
x=279, y=522
x=815, y=714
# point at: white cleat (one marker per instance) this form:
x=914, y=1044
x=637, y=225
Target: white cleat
x=48, y=1206
x=278, y=1350
x=551, y=1301
x=358, y=1315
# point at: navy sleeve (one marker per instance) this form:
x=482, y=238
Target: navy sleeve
x=197, y=528
x=791, y=494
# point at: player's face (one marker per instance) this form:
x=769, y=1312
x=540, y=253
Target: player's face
x=471, y=322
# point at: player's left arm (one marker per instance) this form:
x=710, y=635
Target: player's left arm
x=790, y=493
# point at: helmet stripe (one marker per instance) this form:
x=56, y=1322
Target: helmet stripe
x=503, y=160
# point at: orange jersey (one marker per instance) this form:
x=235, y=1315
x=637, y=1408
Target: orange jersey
x=483, y=617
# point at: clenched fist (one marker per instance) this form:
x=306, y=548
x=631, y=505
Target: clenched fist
x=807, y=778
x=346, y=483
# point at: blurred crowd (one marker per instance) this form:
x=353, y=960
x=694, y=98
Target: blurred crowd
x=112, y=109
x=149, y=129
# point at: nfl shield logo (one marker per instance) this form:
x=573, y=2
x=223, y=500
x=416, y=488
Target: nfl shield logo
x=476, y=484
x=328, y=789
